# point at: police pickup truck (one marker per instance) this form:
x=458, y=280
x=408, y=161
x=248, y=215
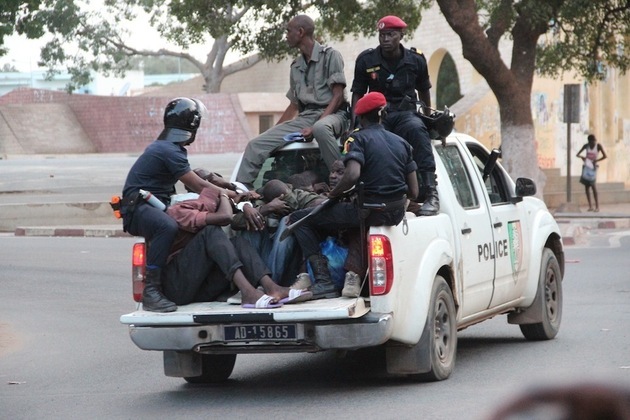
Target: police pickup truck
x=493, y=249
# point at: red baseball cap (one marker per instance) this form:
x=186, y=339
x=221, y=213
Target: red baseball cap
x=370, y=102
x=391, y=22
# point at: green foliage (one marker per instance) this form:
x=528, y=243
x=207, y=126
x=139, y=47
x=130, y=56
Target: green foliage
x=586, y=35
x=10, y=13
x=85, y=41
x=589, y=36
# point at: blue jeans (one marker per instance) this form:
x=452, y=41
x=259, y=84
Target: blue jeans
x=282, y=257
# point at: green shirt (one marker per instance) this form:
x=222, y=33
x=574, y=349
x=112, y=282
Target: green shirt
x=310, y=84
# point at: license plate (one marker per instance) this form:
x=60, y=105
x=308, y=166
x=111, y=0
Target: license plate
x=271, y=332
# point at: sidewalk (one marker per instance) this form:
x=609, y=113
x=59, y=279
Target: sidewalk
x=68, y=195
x=572, y=225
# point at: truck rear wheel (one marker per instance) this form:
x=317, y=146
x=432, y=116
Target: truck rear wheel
x=442, y=337
x=550, y=294
x=215, y=368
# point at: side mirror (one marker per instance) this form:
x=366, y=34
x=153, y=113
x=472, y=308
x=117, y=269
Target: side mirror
x=525, y=187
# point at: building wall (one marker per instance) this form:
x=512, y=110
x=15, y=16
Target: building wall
x=118, y=124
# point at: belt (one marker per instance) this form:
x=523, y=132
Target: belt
x=386, y=205
x=131, y=200
x=314, y=107
x=400, y=106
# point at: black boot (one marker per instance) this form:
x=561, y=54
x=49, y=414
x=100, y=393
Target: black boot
x=431, y=204
x=152, y=298
x=324, y=288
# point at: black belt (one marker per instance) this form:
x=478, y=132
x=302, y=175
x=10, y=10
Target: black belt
x=386, y=205
x=131, y=200
x=314, y=107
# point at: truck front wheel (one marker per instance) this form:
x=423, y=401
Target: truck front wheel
x=215, y=368
x=548, y=300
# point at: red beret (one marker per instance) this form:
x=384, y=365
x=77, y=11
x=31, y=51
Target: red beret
x=370, y=102
x=391, y=22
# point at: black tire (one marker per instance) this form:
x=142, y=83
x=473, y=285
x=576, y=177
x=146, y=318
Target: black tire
x=550, y=291
x=442, y=321
x=215, y=368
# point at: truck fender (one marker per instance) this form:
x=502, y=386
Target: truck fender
x=543, y=227
x=414, y=298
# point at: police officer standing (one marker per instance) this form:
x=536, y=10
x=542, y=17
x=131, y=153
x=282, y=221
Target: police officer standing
x=401, y=75
x=382, y=162
x=157, y=170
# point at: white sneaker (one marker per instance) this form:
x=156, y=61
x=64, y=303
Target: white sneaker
x=303, y=281
x=351, y=285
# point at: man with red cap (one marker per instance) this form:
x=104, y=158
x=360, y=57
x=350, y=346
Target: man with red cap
x=379, y=159
x=402, y=76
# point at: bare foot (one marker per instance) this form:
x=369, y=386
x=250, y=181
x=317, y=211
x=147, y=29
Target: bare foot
x=274, y=290
x=251, y=296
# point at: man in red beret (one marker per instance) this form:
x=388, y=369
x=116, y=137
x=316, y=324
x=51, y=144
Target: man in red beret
x=382, y=161
x=402, y=76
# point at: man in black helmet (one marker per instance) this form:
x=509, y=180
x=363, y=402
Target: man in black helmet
x=157, y=170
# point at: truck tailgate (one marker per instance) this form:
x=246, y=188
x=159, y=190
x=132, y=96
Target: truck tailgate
x=222, y=312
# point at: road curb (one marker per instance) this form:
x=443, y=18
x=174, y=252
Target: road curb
x=86, y=231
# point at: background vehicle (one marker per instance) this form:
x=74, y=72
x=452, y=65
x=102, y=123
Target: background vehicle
x=493, y=249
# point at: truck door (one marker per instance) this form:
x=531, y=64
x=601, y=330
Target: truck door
x=473, y=230
x=509, y=231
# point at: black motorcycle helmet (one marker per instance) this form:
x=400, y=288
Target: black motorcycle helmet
x=182, y=117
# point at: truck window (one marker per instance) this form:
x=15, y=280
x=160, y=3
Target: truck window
x=284, y=163
x=452, y=159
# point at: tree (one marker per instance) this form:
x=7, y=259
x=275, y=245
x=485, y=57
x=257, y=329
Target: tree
x=549, y=36
x=10, y=12
x=86, y=41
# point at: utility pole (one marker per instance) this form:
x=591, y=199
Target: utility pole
x=571, y=115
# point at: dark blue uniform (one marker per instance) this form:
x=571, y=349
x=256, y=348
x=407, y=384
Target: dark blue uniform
x=385, y=160
x=398, y=83
x=157, y=170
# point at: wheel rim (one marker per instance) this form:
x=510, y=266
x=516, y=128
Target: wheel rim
x=442, y=333
x=551, y=294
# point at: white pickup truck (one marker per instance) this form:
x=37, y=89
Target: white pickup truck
x=493, y=249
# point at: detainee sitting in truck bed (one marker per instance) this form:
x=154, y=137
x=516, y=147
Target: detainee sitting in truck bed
x=205, y=265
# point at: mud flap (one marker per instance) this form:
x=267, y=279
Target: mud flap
x=182, y=364
x=407, y=359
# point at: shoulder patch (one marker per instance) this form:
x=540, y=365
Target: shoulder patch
x=369, y=50
x=415, y=50
x=347, y=144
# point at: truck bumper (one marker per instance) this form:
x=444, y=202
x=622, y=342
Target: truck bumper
x=367, y=331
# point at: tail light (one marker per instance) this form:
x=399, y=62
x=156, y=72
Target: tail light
x=138, y=258
x=381, y=265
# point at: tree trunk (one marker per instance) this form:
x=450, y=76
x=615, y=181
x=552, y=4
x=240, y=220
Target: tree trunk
x=511, y=86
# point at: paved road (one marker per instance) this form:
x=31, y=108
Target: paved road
x=65, y=355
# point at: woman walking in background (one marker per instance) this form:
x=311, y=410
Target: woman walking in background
x=589, y=168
